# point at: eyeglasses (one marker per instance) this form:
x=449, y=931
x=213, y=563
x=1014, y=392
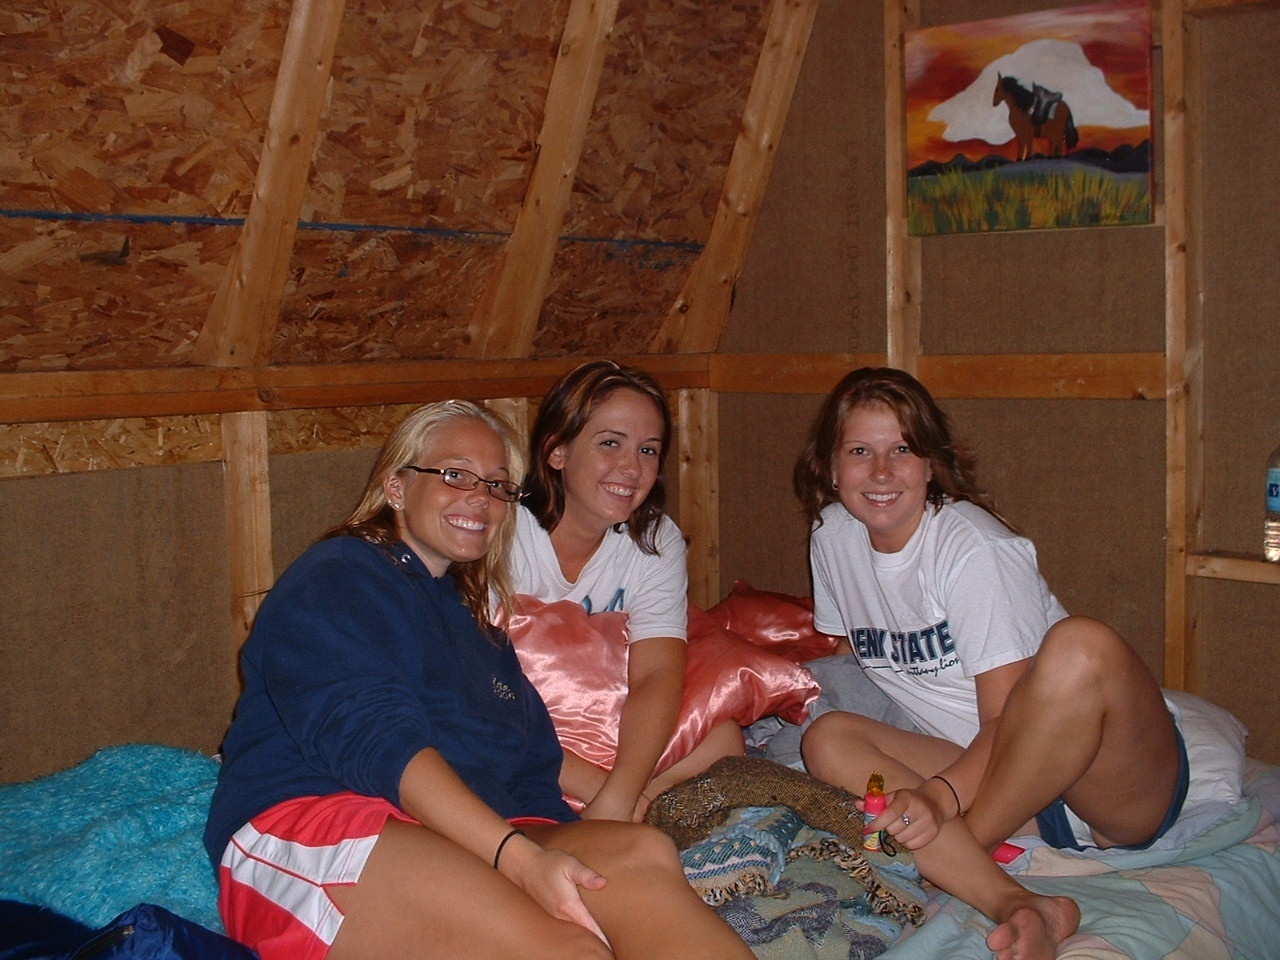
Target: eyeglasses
x=505, y=490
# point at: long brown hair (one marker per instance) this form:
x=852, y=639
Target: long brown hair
x=564, y=412
x=375, y=521
x=925, y=427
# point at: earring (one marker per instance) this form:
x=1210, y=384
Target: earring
x=397, y=506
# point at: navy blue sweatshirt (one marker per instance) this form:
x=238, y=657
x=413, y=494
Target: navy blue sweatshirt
x=359, y=658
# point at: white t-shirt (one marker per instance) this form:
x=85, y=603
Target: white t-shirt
x=652, y=589
x=964, y=596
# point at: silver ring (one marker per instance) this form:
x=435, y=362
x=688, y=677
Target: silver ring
x=906, y=821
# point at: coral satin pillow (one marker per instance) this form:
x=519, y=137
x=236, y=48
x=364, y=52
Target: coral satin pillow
x=777, y=622
x=579, y=665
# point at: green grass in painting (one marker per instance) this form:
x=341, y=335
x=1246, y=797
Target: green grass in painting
x=956, y=201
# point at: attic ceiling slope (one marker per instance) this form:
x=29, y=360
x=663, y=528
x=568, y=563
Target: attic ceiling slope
x=133, y=136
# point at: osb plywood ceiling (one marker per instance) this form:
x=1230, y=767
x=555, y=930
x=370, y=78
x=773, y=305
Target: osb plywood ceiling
x=131, y=135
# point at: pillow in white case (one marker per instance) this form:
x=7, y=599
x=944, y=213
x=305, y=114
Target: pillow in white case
x=1215, y=747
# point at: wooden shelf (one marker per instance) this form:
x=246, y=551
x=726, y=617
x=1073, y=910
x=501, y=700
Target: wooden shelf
x=1233, y=566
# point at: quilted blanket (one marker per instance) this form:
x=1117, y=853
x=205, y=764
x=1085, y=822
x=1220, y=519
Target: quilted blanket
x=1216, y=898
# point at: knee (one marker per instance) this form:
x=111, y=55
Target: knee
x=1080, y=653
x=727, y=739
x=826, y=742
x=635, y=847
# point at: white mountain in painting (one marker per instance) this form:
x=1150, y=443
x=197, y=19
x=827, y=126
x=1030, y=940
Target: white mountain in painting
x=1056, y=64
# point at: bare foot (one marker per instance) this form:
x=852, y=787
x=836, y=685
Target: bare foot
x=1033, y=930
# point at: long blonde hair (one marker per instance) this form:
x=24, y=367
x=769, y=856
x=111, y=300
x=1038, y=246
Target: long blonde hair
x=375, y=521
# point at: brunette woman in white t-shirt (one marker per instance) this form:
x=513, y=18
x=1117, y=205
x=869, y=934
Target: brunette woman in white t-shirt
x=592, y=530
x=1023, y=708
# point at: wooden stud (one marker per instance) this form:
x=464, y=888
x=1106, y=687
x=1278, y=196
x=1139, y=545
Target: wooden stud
x=247, y=495
x=1178, y=672
x=697, y=413
x=1191, y=297
x=506, y=318
x=517, y=412
x=902, y=252
x=697, y=320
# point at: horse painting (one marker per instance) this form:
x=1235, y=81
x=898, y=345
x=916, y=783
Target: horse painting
x=1036, y=114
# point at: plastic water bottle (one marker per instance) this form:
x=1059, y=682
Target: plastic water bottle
x=1271, y=526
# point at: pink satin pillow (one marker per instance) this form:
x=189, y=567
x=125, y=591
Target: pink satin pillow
x=776, y=622
x=579, y=665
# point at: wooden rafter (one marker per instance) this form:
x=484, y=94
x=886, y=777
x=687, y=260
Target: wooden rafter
x=698, y=318
x=246, y=308
x=505, y=321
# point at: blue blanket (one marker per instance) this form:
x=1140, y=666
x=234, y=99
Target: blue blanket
x=123, y=828
x=1217, y=896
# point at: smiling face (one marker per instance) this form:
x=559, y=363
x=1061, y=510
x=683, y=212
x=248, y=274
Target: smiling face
x=879, y=480
x=441, y=524
x=612, y=464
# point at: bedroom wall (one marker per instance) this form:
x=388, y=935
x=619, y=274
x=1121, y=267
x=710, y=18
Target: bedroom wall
x=1084, y=478
x=116, y=627
x=1241, y=621
x=109, y=609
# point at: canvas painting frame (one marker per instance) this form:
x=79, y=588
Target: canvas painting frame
x=1031, y=121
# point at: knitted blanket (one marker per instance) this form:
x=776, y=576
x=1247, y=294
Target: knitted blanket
x=124, y=827
x=690, y=810
x=779, y=856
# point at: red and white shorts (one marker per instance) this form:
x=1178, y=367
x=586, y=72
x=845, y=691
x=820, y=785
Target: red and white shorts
x=276, y=872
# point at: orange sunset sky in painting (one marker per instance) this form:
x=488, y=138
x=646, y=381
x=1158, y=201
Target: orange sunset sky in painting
x=951, y=70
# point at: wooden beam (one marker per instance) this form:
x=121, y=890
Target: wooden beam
x=698, y=416
x=1102, y=376
x=1236, y=567
x=904, y=284
x=697, y=319
x=172, y=391
x=177, y=391
x=247, y=496
x=505, y=321
x=814, y=373
x=246, y=308
x=1203, y=8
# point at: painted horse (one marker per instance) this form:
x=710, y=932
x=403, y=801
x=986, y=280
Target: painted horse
x=1036, y=114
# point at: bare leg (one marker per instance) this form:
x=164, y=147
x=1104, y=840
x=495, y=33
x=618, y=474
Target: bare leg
x=422, y=897
x=647, y=909
x=844, y=749
x=723, y=740
x=1087, y=722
